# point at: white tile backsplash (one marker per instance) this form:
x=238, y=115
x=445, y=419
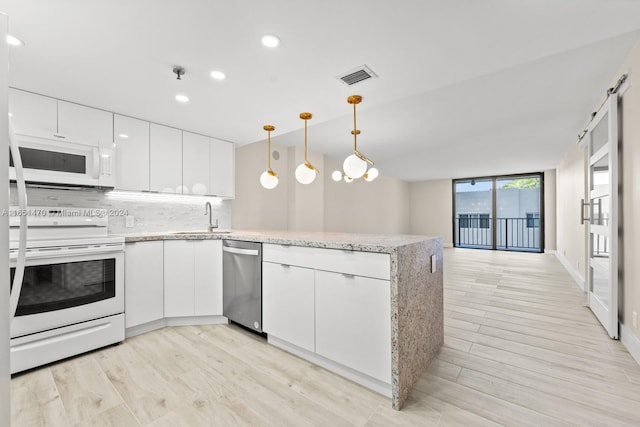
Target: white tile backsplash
x=151, y=212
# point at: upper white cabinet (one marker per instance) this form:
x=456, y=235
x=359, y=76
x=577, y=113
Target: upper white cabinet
x=86, y=124
x=143, y=283
x=32, y=113
x=222, y=168
x=196, y=156
x=165, y=159
x=132, y=153
x=149, y=156
x=192, y=278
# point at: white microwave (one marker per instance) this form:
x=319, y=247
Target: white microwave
x=55, y=160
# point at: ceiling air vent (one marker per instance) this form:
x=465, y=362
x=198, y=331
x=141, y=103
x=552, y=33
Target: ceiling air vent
x=357, y=75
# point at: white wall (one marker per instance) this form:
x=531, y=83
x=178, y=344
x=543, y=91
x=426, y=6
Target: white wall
x=431, y=209
x=550, y=225
x=255, y=207
x=630, y=226
x=379, y=206
x=570, y=189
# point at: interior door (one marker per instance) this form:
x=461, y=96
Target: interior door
x=602, y=227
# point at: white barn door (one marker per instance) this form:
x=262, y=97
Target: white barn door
x=602, y=226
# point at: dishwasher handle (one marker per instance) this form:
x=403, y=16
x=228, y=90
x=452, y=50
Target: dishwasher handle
x=252, y=252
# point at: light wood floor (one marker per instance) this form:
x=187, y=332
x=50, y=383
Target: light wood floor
x=520, y=349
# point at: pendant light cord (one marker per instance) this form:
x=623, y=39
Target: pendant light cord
x=269, y=149
x=305, y=142
x=355, y=129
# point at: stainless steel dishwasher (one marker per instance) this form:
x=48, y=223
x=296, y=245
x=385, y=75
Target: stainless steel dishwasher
x=242, y=283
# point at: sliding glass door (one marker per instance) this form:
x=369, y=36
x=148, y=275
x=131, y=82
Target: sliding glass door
x=504, y=213
x=473, y=222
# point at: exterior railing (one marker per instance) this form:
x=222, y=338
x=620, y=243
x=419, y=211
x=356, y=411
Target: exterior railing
x=510, y=233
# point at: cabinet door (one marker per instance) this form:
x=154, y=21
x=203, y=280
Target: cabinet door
x=33, y=114
x=222, y=168
x=85, y=124
x=195, y=163
x=132, y=153
x=353, y=322
x=288, y=304
x=207, y=277
x=178, y=278
x=165, y=160
x=143, y=283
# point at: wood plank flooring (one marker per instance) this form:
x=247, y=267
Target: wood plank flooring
x=521, y=349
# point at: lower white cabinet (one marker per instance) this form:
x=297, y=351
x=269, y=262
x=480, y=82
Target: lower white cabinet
x=207, y=268
x=288, y=304
x=353, y=322
x=192, y=278
x=143, y=283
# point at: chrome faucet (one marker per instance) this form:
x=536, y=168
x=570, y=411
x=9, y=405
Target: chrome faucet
x=208, y=209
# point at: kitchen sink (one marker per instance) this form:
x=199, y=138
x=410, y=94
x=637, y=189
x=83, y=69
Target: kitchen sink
x=203, y=232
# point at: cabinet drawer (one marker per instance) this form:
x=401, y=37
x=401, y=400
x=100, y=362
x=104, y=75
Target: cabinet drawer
x=367, y=264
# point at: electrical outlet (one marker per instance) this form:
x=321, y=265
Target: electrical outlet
x=129, y=221
x=635, y=319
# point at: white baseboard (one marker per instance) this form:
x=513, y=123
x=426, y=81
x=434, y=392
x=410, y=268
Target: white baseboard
x=631, y=342
x=144, y=328
x=550, y=251
x=195, y=320
x=447, y=245
x=572, y=271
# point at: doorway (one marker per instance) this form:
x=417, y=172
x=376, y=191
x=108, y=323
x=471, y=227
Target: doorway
x=499, y=212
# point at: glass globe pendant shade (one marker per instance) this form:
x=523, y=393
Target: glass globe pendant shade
x=371, y=174
x=305, y=174
x=336, y=176
x=269, y=179
x=348, y=179
x=354, y=166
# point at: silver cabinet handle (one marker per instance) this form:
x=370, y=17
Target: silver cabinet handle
x=252, y=252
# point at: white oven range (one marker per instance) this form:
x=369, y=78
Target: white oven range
x=72, y=295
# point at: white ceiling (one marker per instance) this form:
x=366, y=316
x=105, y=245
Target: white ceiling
x=466, y=88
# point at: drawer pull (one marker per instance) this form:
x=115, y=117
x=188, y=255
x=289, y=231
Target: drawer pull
x=285, y=265
x=348, y=276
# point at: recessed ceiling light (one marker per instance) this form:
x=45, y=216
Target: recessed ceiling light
x=182, y=98
x=270, y=40
x=123, y=136
x=10, y=114
x=14, y=41
x=218, y=75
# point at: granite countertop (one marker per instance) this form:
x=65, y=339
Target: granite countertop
x=382, y=243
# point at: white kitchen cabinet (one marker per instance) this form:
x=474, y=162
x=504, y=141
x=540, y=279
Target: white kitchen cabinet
x=195, y=163
x=165, y=159
x=207, y=287
x=353, y=322
x=178, y=278
x=192, y=278
x=288, y=304
x=33, y=114
x=132, y=153
x=85, y=124
x=143, y=283
x=222, y=168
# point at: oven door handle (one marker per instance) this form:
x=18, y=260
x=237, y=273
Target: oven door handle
x=64, y=252
x=16, y=286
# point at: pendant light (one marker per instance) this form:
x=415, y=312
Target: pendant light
x=355, y=165
x=269, y=179
x=306, y=172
